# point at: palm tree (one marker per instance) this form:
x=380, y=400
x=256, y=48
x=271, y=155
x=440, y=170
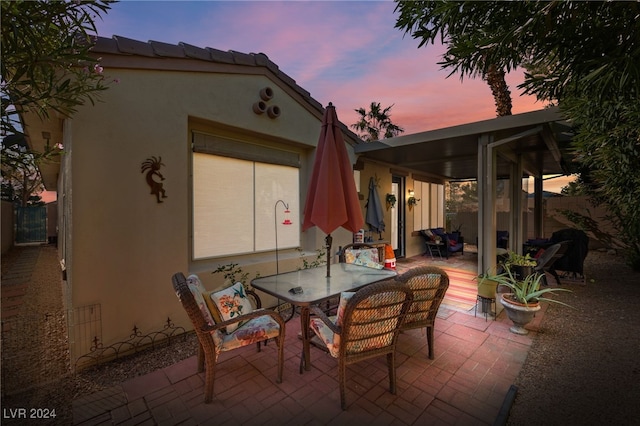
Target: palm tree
x=499, y=90
x=455, y=23
x=374, y=122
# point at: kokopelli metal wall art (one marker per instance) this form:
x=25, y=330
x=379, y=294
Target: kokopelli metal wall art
x=152, y=166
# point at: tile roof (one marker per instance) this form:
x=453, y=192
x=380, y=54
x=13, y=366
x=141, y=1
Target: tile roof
x=118, y=45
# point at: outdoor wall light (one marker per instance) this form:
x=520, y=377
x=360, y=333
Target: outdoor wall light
x=412, y=200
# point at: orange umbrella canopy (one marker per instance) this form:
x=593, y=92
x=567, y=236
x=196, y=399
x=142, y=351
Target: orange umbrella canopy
x=332, y=200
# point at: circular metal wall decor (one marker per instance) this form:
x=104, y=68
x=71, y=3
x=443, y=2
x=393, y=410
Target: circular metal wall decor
x=260, y=107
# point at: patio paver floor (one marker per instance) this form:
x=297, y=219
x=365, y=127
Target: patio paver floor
x=476, y=361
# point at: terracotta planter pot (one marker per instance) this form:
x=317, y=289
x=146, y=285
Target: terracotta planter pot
x=519, y=313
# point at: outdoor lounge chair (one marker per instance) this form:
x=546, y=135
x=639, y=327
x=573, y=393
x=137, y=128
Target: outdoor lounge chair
x=220, y=335
x=452, y=242
x=366, y=326
x=548, y=258
x=429, y=285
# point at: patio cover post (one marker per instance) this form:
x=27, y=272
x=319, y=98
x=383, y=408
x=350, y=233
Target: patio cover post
x=516, y=223
x=538, y=226
x=486, y=209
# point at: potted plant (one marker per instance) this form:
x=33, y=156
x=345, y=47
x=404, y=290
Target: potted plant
x=524, y=296
x=391, y=201
x=521, y=265
x=487, y=293
x=412, y=201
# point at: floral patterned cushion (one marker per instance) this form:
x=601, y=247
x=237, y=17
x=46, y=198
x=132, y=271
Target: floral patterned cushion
x=364, y=257
x=199, y=292
x=255, y=330
x=232, y=302
x=329, y=338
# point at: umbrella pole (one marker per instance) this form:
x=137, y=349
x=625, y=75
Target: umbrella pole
x=328, y=241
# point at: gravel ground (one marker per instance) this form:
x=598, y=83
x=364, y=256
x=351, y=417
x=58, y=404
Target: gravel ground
x=582, y=369
x=584, y=366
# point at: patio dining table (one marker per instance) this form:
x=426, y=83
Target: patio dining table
x=314, y=287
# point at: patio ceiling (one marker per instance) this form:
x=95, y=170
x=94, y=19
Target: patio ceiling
x=542, y=138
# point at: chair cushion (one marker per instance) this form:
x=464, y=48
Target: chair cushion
x=364, y=257
x=255, y=330
x=232, y=302
x=198, y=290
x=328, y=337
x=199, y=294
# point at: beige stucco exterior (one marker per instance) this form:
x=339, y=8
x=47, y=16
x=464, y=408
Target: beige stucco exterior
x=121, y=246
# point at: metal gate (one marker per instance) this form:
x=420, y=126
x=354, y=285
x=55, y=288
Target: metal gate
x=31, y=224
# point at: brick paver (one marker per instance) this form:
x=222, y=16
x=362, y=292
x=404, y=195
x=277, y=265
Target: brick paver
x=475, y=363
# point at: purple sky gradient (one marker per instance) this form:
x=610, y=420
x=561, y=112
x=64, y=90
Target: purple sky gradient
x=345, y=52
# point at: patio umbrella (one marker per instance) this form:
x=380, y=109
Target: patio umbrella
x=375, y=215
x=332, y=200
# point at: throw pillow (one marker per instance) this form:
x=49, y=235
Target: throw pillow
x=215, y=313
x=231, y=303
x=363, y=257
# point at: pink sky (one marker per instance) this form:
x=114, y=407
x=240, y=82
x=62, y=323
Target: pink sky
x=348, y=53
x=345, y=52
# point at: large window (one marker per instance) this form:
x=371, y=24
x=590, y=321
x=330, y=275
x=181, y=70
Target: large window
x=234, y=199
x=429, y=212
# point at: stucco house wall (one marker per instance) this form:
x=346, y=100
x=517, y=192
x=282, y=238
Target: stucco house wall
x=383, y=173
x=120, y=246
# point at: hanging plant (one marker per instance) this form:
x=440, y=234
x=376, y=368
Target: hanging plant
x=412, y=201
x=391, y=200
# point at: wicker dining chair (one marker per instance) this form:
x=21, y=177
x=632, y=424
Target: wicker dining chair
x=366, y=326
x=214, y=336
x=429, y=285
